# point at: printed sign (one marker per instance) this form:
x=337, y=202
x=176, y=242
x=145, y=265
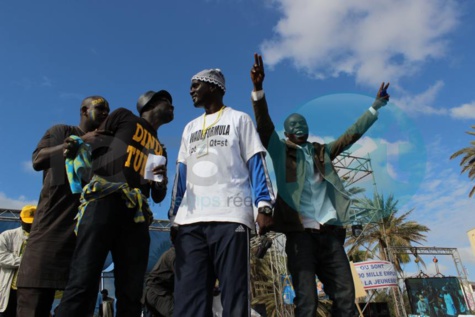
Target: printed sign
x=376, y=274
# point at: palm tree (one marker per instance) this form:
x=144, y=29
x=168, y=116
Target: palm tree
x=468, y=161
x=389, y=230
x=359, y=255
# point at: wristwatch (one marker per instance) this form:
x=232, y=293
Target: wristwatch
x=266, y=210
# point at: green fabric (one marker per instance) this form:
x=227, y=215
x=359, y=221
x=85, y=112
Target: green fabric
x=75, y=168
x=99, y=188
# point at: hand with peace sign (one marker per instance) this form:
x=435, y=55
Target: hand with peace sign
x=382, y=96
x=257, y=72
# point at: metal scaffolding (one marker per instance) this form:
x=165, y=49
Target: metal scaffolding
x=14, y=215
x=352, y=168
x=9, y=214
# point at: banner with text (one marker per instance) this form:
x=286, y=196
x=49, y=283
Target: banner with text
x=376, y=274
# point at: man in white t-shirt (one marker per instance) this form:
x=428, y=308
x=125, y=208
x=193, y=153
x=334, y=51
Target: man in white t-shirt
x=221, y=172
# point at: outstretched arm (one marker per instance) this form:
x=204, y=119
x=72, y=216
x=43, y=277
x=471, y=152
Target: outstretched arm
x=356, y=131
x=50, y=148
x=265, y=126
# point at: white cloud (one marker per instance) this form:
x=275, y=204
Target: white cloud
x=465, y=111
x=467, y=254
x=391, y=171
x=371, y=40
x=14, y=203
x=442, y=204
x=421, y=103
x=27, y=166
x=396, y=148
x=366, y=146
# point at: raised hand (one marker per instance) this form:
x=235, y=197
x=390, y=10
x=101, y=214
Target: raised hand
x=382, y=96
x=257, y=72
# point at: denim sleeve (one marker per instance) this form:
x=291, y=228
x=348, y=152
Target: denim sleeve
x=178, y=191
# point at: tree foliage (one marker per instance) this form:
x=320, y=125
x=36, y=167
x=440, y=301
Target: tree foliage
x=468, y=160
x=391, y=229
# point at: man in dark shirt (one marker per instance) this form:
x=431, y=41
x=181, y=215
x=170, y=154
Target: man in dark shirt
x=161, y=281
x=114, y=214
x=45, y=264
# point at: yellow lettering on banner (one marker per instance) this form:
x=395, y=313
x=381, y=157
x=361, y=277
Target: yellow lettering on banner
x=138, y=133
x=130, y=151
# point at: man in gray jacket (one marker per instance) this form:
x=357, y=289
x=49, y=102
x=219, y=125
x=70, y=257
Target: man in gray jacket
x=12, y=244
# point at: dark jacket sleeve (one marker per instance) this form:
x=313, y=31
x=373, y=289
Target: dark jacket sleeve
x=265, y=126
x=351, y=135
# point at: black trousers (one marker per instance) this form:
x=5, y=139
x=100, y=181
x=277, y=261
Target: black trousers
x=207, y=251
x=35, y=302
x=320, y=253
x=10, y=311
x=107, y=225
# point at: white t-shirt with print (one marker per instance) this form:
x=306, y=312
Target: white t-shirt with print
x=218, y=187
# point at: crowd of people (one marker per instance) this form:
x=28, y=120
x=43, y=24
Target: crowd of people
x=95, y=193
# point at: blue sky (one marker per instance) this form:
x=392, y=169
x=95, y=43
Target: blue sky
x=323, y=58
